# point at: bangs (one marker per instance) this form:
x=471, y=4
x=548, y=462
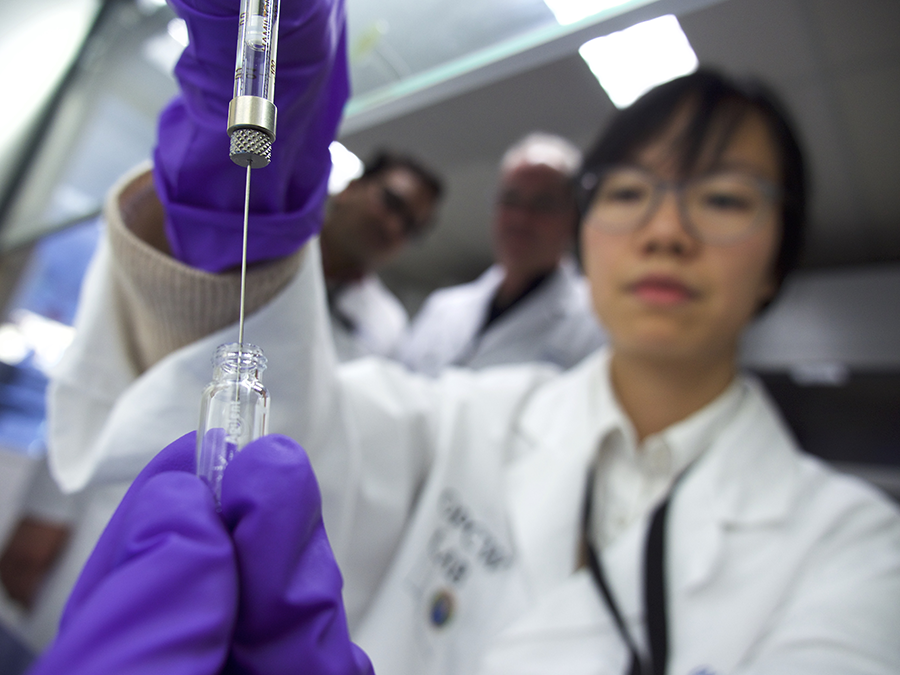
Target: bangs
x=699, y=133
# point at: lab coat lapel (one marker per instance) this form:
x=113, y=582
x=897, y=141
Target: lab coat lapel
x=748, y=477
x=563, y=625
x=557, y=438
x=545, y=306
x=471, y=317
x=718, y=535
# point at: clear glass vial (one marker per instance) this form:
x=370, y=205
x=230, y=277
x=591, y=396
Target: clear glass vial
x=233, y=410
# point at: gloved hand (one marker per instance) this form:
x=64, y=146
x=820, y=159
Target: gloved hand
x=201, y=189
x=174, y=587
x=291, y=611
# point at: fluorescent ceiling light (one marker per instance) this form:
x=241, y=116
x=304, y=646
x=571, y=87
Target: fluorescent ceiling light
x=345, y=166
x=14, y=348
x=150, y=6
x=177, y=29
x=633, y=61
x=28, y=334
x=570, y=11
x=43, y=43
x=826, y=374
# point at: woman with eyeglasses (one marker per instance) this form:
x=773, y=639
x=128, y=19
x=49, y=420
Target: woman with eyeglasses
x=645, y=512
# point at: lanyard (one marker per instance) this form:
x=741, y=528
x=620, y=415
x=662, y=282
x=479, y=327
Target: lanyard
x=654, y=586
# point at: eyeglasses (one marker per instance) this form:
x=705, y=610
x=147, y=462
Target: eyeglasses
x=539, y=205
x=394, y=203
x=717, y=208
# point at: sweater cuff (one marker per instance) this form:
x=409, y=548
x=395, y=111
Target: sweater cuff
x=163, y=303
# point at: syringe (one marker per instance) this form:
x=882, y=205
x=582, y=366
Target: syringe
x=252, y=113
x=234, y=407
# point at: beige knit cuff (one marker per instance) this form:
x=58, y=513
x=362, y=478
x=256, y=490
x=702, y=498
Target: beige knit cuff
x=164, y=304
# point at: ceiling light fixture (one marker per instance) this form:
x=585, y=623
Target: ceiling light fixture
x=632, y=61
x=345, y=166
x=177, y=29
x=570, y=11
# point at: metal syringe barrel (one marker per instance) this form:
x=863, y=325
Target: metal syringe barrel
x=252, y=113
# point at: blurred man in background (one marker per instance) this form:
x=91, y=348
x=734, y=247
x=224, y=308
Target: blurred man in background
x=532, y=304
x=367, y=225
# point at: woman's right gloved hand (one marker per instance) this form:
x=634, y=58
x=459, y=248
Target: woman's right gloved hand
x=201, y=189
x=174, y=586
x=290, y=609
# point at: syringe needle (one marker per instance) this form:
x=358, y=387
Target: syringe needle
x=244, y=259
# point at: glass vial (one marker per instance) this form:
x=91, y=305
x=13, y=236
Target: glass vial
x=233, y=410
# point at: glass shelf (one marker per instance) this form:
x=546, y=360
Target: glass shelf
x=398, y=51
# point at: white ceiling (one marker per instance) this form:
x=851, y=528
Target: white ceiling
x=836, y=63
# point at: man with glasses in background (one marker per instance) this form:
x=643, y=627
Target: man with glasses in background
x=532, y=304
x=366, y=226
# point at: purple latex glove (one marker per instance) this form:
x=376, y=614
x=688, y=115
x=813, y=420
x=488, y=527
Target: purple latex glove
x=201, y=188
x=291, y=612
x=171, y=588
x=159, y=593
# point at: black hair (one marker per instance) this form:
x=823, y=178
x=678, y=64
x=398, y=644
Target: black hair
x=717, y=106
x=384, y=160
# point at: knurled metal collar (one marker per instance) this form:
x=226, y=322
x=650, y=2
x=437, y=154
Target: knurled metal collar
x=251, y=125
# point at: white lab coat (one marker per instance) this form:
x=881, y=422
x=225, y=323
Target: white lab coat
x=468, y=488
x=555, y=323
x=378, y=319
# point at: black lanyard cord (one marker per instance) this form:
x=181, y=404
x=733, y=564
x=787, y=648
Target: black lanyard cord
x=654, y=586
x=636, y=667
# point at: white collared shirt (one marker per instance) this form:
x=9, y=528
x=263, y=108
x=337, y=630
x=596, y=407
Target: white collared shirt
x=631, y=478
